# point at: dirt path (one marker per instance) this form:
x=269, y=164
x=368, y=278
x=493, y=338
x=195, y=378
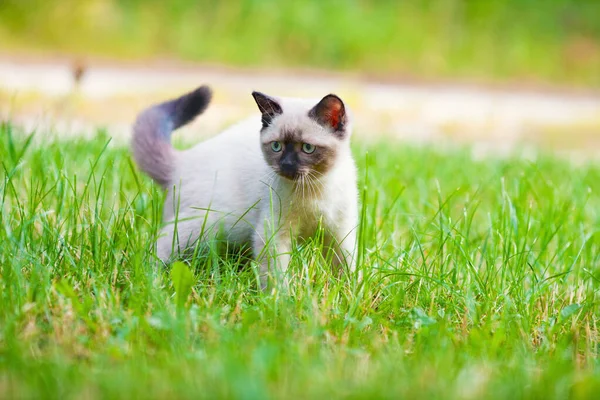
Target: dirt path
x=45, y=96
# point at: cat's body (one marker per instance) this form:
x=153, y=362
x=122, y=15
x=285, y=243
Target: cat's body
x=236, y=187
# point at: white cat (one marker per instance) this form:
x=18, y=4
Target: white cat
x=263, y=187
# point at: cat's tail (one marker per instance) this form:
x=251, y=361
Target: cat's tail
x=151, y=142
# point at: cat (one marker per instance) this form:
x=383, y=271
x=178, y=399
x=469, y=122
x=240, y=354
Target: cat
x=264, y=183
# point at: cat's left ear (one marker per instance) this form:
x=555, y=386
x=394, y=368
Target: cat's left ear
x=330, y=112
x=268, y=106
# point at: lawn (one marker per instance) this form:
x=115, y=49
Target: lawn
x=556, y=42
x=482, y=282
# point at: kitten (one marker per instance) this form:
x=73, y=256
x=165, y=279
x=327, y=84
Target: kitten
x=264, y=183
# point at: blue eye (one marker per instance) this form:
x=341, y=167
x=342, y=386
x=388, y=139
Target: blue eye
x=308, y=148
x=276, y=147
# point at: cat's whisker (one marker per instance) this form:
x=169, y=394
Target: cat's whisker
x=307, y=186
x=314, y=183
x=303, y=188
x=269, y=178
x=316, y=177
x=317, y=187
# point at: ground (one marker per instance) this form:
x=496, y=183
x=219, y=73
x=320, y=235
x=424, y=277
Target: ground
x=482, y=279
x=46, y=96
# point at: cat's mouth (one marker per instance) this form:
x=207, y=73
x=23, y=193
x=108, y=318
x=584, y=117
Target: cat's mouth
x=289, y=175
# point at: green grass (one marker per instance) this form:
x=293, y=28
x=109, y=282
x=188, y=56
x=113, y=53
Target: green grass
x=483, y=281
x=556, y=41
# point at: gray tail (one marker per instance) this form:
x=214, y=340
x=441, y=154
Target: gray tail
x=151, y=142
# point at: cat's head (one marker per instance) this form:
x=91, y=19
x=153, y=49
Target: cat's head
x=300, y=138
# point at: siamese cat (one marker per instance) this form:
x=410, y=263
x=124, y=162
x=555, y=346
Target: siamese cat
x=265, y=183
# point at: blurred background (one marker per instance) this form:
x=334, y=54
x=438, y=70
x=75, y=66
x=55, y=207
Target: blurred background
x=498, y=74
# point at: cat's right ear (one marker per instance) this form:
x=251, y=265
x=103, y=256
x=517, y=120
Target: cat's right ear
x=331, y=113
x=268, y=106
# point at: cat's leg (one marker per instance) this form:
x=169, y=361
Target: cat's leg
x=342, y=246
x=272, y=252
x=164, y=244
x=176, y=239
x=341, y=241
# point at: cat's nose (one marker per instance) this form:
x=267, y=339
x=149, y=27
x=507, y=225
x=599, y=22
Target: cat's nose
x=288, y=169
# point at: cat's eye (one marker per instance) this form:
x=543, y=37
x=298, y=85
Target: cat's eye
x=276, y=147
x=308, y=148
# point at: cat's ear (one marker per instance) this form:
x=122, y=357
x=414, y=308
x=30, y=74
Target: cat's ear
x=330, y=112
x=268, y=106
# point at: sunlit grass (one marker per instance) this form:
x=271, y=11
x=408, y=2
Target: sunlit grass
x=482, y=282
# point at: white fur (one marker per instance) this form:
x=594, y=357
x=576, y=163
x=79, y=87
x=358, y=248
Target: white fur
x=250, y=204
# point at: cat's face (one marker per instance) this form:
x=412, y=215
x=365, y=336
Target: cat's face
x=302, y=141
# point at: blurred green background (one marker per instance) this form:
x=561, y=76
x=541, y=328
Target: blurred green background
x=550, y=41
